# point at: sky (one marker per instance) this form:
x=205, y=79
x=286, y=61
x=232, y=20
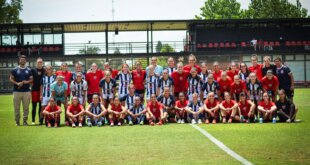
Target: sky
x=38, y=11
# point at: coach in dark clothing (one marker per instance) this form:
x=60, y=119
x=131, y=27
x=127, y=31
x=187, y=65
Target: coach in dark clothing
x=286, y=109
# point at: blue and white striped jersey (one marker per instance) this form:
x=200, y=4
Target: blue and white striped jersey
x=124, y=81
x=107, y=87
x=46, y=83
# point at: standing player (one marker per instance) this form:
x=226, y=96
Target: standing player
x=151, y=83
x=93, y=78
x=256, y=67
x=66, y=74
x=225, y=85
x=138, y=79
x=244, y=72
x=117, y=112
x=211, y=86
x=107, y=90
x=270, y=85
x=52, y=114
x=124, y=78
x=233, y=71
x=157, y=68
x=171, y=66
x=268, y=66
x=192, y=64
x=246, y=109
x=267, y=109
x=136, y=115
x=229, y=109
x=204, y=72
x=59, y=93
x=75, y=112
x=95, y=112
x=254, y=91
x=21, y=77
x=211, y=107
x=37, y=73
x=217, y=72
x=165, y=81
x=79, y=88
x=180, y=80
x=168, y=102
x=194, y=85
x=78, y=68
x=180, y=108
x=194, y=110
x=286, y=108
x=237, y=87
x=154, y=111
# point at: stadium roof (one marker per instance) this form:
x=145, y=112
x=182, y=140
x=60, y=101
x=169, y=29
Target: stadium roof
x=155, y=25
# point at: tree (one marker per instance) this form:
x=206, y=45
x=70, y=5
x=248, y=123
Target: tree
x=90, y=50
x=158, y=46
x=9, y=12
x=220, y=9
x=166, y=48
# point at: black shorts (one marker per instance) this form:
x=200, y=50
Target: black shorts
x=289, y=93
x=140, y=91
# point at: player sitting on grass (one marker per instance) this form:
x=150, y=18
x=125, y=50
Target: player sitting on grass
x=229, y=109
x=167, y=101
x=246, y=109
x=180, y=106
x=286, y=109
x=254, y=91
x=154, y=111
x=75, y=112
x=267, y=109
x=95, y=112
x=211, y=107
x=117, y=112
x=195, y=109
x=237, y=87
x=52, y=113
x=136, y=115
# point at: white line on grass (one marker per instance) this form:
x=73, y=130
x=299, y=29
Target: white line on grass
x=222, y=146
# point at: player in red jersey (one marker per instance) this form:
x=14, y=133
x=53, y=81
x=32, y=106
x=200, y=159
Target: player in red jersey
x=217, y=72
x=138, y=79
x=192, y=64
x=154, y=111
x=246, y=109
x=270, y=85
x=267, y=109
x=66, y=74
x=256, y=68
x=93, y=78
x=117, y=112
x=229, y=109
x=180, y=80
x=237, y=87
x=52, y=113
x=180, y=106
x=106, y=66
x=75, y=112
x=211, y=107
x=233, y=70
x=225, y=85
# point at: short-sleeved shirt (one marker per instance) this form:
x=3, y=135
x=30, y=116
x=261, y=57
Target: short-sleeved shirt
x=171, y=70
x=129, y=100
x=232, y=74
x=283, y=77
x=195, y=106
x=155, y=109
x=244, y=107
x=217, y=75
x=124, y=82
x=78, y=89
x=162, y=83
x=210, y=105
x=271, y=67
x=73, y=77
x=116, y=108
x=257, y=70
x=188, y=68
x=238, y=88
x=158, y=70
x=37, y=76
x=180, y=81
x=266, y=106
x=138, y=78
x=107, y=87
x=67, y=77
x=75, y=109
x=225, y=85
x=46, y=83
x=194, y=84
x=284, y=106
x=213, y=87
x=225, y=104
x=137, y=109
x=180, y=104
x=95, y=109
x=52, y=108
x=93, y=80
x=59, y=89
x=270, y=85
x=21, y=74
x=254, y=89
x=167, y=101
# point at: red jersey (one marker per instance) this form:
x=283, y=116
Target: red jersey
x=244, y=108
x=75, y=109
x=217, y=75
x=52, y=108
x=180, y=81
x=179, y=104
x=93, y=80
x=116, y=108
x=238, y=88
x=228, y=105
x=67, y=78
x=257, y=70
x=232, y=74
x=266, y=106
x=225, y=85
x=155, y=109
x=188, y=68
x=210, y=105
x=270, y=85
x=138, y=78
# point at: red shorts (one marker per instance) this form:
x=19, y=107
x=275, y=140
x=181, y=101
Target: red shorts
x=35, y=96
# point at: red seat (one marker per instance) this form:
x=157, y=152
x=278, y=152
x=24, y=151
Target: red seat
x=243, y=44
x=304, y=42
x=204, y=45
x=227, y=45
x=199, y=45
x=14, y=50
x=56, y=49
x=8, y=50
x=51, y=49
x=233, y=45
x=222, y=45
x=215, y=45
x=298, y=43
x=277, y=43
x=308, y=42
x=287, y=43
x=210, y=45
x=293, y=43
x=45, y=49
x=271, y=43
x=266, y=43
x=2, y=50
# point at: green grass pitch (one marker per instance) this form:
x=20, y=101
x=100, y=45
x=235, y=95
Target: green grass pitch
x=267, y=143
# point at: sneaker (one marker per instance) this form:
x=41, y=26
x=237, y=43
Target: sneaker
x=274, y=120
x=260, y=120
x=99, y=124
x=33, y=123
x=89, y=124
x=141, y=123
x=207, y=121
x=106, y=122
x=125, y=121
x=179, y=121
x=199, y=121
x=224, y=120
x=119, y=123
x=25, y=123
x=182, y=121
x=112, y=124
x=288, y=121
x=229, y=120
x=160, y=123
x=49, y=125
x=56, y=125
x=152, y=124
x=214, y=121
x=80, y=125
x=73, y=125
x=130, y=123
x=193, y=121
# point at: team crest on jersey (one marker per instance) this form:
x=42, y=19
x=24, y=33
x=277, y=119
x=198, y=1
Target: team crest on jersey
x=282, y=71
x=270, y=85
x=39, y=73
x=18, y=71
x=95, y=77
x=26, y=71
x=283, y=106
x=244, y=108
x=181, y=78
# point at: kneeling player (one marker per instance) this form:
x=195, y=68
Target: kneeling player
x=95, y=111
x=117, y=112
x=229, y=109
x=267, y=109
x=52, y=113
x=137, y=113
x=246, y=109
x=180, y=106
x=271, y=85
x=211, y=107
x=154, y=111
x=195, y=109
x=75, y=112
x=286, y=109
x=167, y=101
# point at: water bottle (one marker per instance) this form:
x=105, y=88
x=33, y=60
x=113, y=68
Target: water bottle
x=260, y=120
x=274, y=120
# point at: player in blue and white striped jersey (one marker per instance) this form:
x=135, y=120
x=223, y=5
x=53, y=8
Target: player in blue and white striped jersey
x=211, y=86
x=95, y=112
x=167, y=100
x=171, y=65
x=46, y=82
x=128, y=100
x=78, y=68
x=124, y=78
x=195, y=109
x=151, y=83
x=136, y=114
x=204, y=76
x=194, y=85
x=107, y=90
x=78, y=88
x=165, y=81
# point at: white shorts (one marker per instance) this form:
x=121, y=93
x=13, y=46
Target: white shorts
x=45, y=101
x=108, y=96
